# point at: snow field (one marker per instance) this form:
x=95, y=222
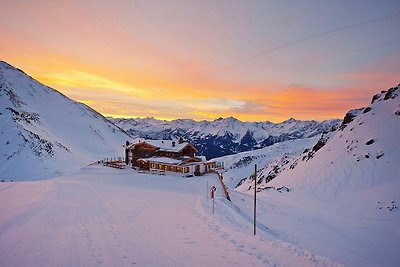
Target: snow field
x=108, y=217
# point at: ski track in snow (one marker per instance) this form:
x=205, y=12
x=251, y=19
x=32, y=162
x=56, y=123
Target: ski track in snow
x=103, y=217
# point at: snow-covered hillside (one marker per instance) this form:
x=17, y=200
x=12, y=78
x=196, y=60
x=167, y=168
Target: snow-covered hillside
x=240, y=166
x=281, y=161
x=43, y=133
x=225, y=136
x=363, y=152
x=361, y=160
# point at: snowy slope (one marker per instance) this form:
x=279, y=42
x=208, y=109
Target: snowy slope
x=241, y=166
x=43, y=133
x=362, y=159
x=225, y=136
x=281, y=161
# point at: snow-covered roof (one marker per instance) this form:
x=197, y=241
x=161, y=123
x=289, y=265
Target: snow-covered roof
x=163, y=160
x=182, y=161
x=163, y=145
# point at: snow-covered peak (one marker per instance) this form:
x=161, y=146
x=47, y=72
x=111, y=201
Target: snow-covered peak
x=227, y=119
x=5, y=65
x=290, y=120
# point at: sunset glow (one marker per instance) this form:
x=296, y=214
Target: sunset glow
x=204, y=60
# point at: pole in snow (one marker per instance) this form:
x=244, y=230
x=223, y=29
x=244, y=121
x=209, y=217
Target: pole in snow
x=213, y=206
x=255, y=198
x=213, y=189
x=207, y=191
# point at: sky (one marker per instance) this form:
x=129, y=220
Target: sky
x=253, y=60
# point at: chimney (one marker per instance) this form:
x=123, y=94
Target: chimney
x=180, y=140
x=173, y=143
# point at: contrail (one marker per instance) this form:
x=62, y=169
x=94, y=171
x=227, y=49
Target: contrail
x=318, y=35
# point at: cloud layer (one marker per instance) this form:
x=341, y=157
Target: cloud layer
x=196, y=59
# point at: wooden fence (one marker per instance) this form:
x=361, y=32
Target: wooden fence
x=224, y=187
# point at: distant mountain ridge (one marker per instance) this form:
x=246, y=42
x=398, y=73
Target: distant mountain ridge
x=225, y=136
x=44, y=133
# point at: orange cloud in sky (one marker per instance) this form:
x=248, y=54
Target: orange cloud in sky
x=116, y=94
x=128, y=93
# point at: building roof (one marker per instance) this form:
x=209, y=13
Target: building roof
x=166, y=145
x=163, y=145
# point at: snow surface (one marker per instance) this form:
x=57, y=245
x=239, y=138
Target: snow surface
x=108, y=217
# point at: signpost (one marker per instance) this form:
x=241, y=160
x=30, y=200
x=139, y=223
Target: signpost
x=213, y=190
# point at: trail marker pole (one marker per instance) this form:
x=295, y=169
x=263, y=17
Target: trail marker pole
x=255, y=197
x=213, y=206
x=207, y=191
x=213, y=189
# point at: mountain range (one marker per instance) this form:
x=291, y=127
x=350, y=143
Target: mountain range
x=225, y=136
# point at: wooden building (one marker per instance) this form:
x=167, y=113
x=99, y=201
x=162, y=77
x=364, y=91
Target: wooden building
x=166, y=155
